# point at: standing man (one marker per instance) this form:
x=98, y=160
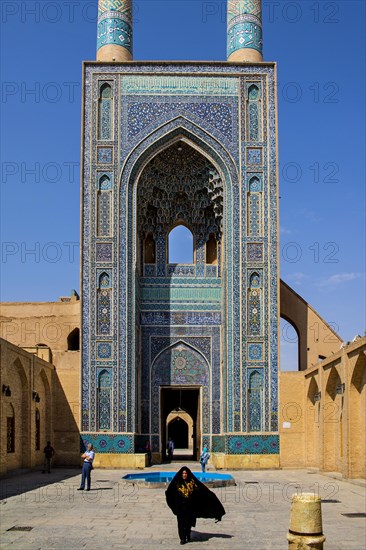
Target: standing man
x=170, y=449
x=205, y=455
x=48, y=454
x=88, y=457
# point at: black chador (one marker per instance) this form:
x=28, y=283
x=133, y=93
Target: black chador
x=189, y=499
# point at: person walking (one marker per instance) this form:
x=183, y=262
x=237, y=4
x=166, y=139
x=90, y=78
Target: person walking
x=49, y=453
x=204, y=458
x=88, y=457
x=189, y=499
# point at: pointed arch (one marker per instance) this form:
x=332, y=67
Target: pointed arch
x=312, y=423
x=73, y=340
x=333, y=406
x=182, y=130
x=105, y=112
x=104, y=399
x=255, y=401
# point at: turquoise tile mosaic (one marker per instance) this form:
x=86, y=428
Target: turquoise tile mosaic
x=165, y=144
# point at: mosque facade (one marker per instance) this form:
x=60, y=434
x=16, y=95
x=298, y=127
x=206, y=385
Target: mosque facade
x=168, y=144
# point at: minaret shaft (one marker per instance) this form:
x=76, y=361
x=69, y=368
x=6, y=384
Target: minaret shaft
x=114, y=30
x=244, y=30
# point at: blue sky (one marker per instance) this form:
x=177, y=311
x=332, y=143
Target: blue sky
x=319, y=48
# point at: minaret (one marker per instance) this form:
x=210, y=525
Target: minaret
x=114, y=30
x=244, y=30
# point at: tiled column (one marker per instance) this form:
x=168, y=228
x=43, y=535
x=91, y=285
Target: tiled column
x=114, y=30
x=244, y=30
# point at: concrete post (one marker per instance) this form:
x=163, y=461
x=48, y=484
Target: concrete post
x=306, y=529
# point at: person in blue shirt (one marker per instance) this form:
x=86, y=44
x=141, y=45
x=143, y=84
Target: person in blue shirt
x=88, y=457
x=204, y=458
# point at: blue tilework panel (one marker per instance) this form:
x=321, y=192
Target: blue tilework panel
x=108, y=443
x=224, y=316
x=252, y=444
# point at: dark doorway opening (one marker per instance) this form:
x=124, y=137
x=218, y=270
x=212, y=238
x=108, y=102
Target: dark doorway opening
x=178, y=432
x=180, y=399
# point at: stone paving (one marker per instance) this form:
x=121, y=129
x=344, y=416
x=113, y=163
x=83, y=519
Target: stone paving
x=116, y=514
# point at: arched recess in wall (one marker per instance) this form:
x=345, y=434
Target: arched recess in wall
x=105, y=112
x=289, y=346
x=177, y=130
x=180, y=365
x=104, y=206
x=332, y=411
x=357, y=419
x=211, y=250
x=42, y=386
x=20, y=392
x=178, y=430
x=104, y=400
x=187, y=418
x=10, y=428
x=312, y=423
x=255, y=401
x=73, y=340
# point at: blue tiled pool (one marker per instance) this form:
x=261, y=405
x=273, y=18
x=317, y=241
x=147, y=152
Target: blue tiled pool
x=154, y=478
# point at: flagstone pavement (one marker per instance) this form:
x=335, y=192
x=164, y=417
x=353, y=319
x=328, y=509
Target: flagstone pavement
x=117, y=514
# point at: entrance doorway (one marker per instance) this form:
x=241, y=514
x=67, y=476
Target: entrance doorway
x=180, y=420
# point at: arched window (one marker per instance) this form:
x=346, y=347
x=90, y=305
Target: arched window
x=105, y=112
x=180, y=245
x=149, y=249
x=73, y=340
x=211, y=250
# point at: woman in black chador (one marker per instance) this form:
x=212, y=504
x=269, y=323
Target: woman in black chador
x=189, y=499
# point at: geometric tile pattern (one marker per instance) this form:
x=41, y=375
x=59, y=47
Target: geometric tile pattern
x=255, y=352
x=244, y=22
x=115, y=23
x=255, y=390
x=108, y=443
x=224, y=113
x=252, y=444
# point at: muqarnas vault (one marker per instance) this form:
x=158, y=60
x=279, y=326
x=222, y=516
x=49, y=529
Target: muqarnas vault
x=182, y=349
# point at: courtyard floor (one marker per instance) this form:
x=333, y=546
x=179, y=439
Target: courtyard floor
x=116, y=514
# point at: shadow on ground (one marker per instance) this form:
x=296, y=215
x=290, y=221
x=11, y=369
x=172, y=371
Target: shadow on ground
x=202, y=537
x=23, y=482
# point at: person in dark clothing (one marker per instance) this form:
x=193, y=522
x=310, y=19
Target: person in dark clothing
x=48, y=455
x=189, y=499
x=148, y=452
x=170, y=449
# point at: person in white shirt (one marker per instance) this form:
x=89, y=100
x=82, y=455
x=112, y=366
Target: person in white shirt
x=88, y=457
